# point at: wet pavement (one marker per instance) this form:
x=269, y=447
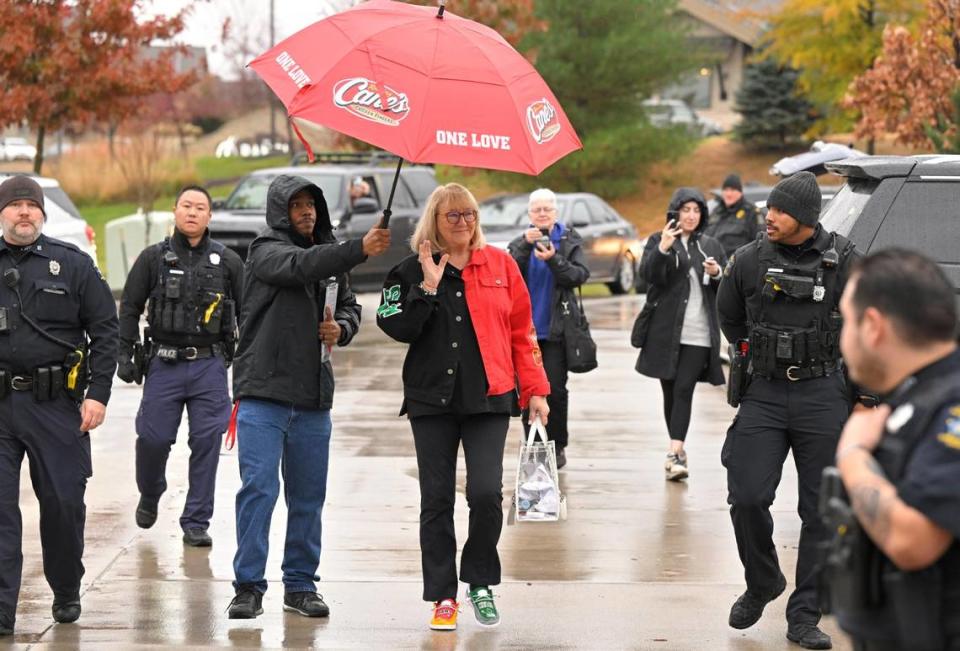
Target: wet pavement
x=641, y=563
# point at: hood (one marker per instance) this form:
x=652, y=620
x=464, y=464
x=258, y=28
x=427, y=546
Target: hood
x=279, y=194
x=682, y=196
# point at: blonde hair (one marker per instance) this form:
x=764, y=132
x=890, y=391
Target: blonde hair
x=451, y=193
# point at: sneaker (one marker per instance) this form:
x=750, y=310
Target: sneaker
x=561, y=458
x=676, y=467
x=809, y=636
x=247, y=604
x=308, y=604
x=445, y=615
x=483, y=607
x=748, y=607
x=147, y=511
x=197, y=537
x=66, y=610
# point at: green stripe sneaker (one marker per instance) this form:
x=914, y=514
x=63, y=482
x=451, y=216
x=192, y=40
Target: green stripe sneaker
x=483, y=607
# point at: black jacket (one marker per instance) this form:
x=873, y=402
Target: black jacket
x=569, y=272
x=734, y=226
x=285, y=279
x=143, y=278
x=738, y=299
x=64, y=293
x=668, y=278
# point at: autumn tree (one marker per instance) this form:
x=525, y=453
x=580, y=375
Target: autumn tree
x=512, y=19
x=912, y=87
x=831, y=42
x=71, y=63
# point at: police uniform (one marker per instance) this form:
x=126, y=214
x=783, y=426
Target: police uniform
x=920, y=454
x=42, y=383
x=192, y=298
x=784, y=300
x=734, y=226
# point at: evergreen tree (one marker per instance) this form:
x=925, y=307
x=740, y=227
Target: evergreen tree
x=772, y=109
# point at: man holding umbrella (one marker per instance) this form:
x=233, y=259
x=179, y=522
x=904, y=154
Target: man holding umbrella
x=284, y=388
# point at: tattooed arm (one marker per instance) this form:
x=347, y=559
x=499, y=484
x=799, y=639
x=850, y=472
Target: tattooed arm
x=905, y=535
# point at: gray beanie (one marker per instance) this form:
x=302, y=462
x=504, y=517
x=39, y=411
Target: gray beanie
x=20, y=187
x=799, y=196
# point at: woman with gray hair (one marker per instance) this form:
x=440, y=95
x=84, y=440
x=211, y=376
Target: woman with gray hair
x=463, y=308
x=550, y=257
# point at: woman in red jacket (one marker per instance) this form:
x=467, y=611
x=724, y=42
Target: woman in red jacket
x=464, y=309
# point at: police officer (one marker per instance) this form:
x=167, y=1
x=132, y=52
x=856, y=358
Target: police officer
x=191, y=287
x=54, y=389
x=781, y=292
x=900, y=463
x=734, y=221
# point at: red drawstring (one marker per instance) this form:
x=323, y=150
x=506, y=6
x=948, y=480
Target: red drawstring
x=231, y=439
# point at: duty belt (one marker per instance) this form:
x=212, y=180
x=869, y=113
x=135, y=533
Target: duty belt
x=170, y=353
x=797, y=373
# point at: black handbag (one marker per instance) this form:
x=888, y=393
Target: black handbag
x=581, y=349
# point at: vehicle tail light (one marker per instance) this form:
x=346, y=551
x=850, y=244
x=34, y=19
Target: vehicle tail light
x=91, y=235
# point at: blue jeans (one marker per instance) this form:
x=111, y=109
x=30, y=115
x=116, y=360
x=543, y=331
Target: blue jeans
x=295, y=441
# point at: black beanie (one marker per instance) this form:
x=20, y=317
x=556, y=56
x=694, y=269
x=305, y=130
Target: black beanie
x=732, y=181
x=21, y=187
x=799, y=196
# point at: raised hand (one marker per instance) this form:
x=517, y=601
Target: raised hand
x=432, y=271
x=531, y=235
x=669, y=235
x=376, y=241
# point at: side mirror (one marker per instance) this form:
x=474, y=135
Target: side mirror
x=580, y=223
x=365, y=206
x=218, y=204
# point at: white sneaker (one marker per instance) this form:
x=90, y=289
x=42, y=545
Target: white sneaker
x=676, y=467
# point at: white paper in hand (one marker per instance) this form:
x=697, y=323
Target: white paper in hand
x=329, y=301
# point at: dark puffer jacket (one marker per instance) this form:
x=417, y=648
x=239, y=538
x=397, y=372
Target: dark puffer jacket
x=285, y=280
x=733, y=226
x=569, y=272
x=660, y=322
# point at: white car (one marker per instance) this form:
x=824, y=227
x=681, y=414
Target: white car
x=16, y=149
x=63, y=219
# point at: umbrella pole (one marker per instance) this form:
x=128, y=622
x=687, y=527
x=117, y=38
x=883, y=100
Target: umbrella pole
x=385, y=222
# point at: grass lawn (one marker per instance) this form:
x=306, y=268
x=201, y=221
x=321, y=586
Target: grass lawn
x=215, y=171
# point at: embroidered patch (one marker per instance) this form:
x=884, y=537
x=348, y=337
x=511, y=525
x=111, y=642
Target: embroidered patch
x=741, y=213
x=391, y=302
x=951, y=441
x=729, y=268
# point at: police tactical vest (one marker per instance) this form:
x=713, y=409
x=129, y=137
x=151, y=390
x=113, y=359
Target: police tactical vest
x=869, y=593
x=797, y=329
x=191, y=304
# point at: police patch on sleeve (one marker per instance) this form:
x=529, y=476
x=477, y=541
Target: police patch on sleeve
x=729, y=268
x=391, y=302
x=951, y=437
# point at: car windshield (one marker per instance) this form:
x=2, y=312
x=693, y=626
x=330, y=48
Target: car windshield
x=508, y=212
x=251, y=194
x=842, y=212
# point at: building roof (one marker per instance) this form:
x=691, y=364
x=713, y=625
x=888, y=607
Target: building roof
x=736, y=18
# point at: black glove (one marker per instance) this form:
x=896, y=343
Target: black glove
x=127, y=370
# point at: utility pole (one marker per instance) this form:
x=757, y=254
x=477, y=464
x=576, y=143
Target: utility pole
x=273, y=103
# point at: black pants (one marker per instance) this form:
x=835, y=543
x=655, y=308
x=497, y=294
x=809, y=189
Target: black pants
x=678, y=392
x=59, y=455
x=555, y=364
x=437, y=439
x=776, y=416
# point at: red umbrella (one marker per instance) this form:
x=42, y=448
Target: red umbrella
x=426, y=85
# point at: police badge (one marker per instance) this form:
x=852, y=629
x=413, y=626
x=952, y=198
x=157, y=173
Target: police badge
x=54, y=268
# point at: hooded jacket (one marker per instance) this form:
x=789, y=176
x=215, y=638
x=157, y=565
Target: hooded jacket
x=660, y=322
x=285, y=280
x=569, y=272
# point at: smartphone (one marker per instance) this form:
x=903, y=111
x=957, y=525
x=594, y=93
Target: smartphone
x=673, y=215
x=544, y=241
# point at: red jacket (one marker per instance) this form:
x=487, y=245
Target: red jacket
x=499, y=306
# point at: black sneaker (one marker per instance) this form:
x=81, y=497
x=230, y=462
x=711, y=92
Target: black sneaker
x=197, y=537
x=561, y=458
x=748, y=608
x=66, y=610
x=247, y=604
x=147, y=511
x=809, y=636
x=308, y=604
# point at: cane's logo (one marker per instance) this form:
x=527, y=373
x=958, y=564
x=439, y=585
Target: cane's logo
x=542, y=120
x=361, y=96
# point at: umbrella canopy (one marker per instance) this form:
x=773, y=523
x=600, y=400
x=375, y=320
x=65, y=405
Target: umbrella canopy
x=426, y=85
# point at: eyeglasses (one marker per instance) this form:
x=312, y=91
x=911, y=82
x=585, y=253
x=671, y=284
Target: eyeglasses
x=469, y=216
x=544, y=209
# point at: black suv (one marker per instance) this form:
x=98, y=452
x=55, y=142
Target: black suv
x=237, y=220
x=905, y=201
